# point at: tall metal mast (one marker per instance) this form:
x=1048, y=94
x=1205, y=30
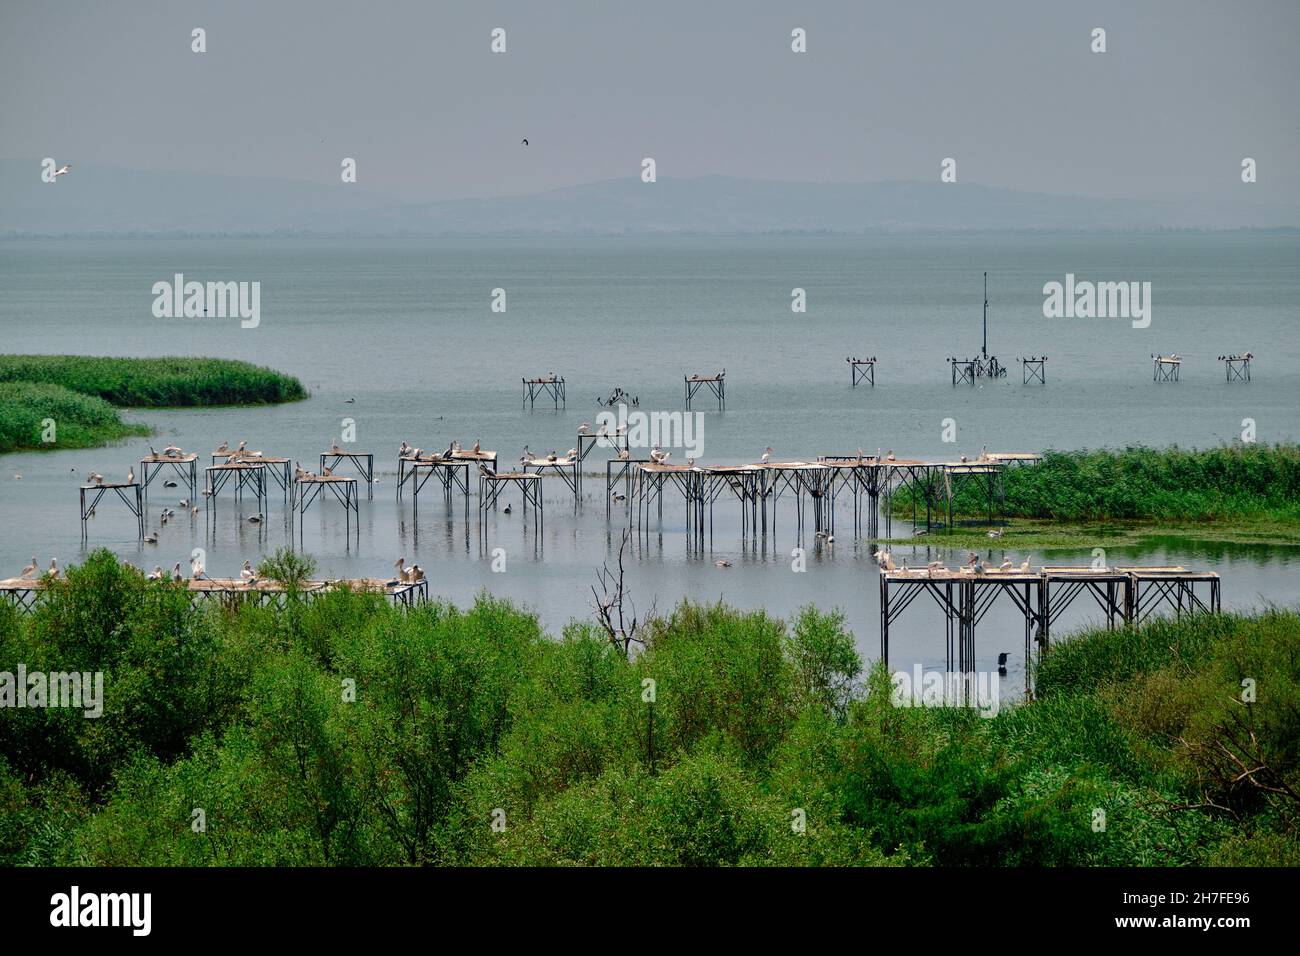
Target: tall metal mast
x=986, y=315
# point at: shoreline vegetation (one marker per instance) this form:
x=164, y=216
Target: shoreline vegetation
x=82, y=394
x=1248, y=494
x=345, y=731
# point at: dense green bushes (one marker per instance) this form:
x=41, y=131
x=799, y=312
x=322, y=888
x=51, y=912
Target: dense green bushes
x=156, y=382
x=342, y=730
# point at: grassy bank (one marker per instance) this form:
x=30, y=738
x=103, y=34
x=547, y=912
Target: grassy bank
x=1242, y=492
x=79, y=394
x=79, y=421
x=463, y=717
x=156, y=382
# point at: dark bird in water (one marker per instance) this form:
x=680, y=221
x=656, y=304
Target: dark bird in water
x=507, y=509
x=525, y=142
x=350, y=401
x=1002, y=663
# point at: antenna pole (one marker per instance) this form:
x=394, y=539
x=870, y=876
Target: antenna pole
x=986, y=315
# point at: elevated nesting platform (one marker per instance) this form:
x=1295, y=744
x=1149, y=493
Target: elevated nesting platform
x=1166, y=369
x=1128, y=594
x=535, y=388
x=717, y=384
x=863, y=370
x=363, y=462
x=1236, y=368
x=129, y=493
x=184, y=467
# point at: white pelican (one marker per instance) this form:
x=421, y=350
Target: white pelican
x=185, y=502
x=656, y=455
x=582, y=429
x=156, y=574
x=400, y=566
x=221, y=449
x=623, y=454
x=130, y=475
x=94, y=478
x=61, y=171
x=242, y=446
x=247, y=574
x=1006, y=565
x=663, y=459
x=196, y=569
x=30, y=570
x=176, y=572
x=1024, y=565
x=995, y=533
x=722, y=563
x=573, y=453
x=767, y=454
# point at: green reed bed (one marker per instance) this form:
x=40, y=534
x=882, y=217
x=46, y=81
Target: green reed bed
x=766, y=742
x=1229, y=483
x=79, y=394
x=156, y=382
x=78, y=421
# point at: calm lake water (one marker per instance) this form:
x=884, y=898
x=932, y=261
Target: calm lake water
x=405, y=329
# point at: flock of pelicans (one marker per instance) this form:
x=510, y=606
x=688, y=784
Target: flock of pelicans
x=974, y=564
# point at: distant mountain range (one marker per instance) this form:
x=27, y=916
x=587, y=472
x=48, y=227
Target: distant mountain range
x=103, y=202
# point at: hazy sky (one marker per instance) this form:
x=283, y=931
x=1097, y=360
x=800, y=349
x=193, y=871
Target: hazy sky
x=885, y=91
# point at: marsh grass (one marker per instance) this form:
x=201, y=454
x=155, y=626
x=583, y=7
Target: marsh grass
x=82, y=421
x=1256, y=484
x=156, y=382
x=80, y=392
